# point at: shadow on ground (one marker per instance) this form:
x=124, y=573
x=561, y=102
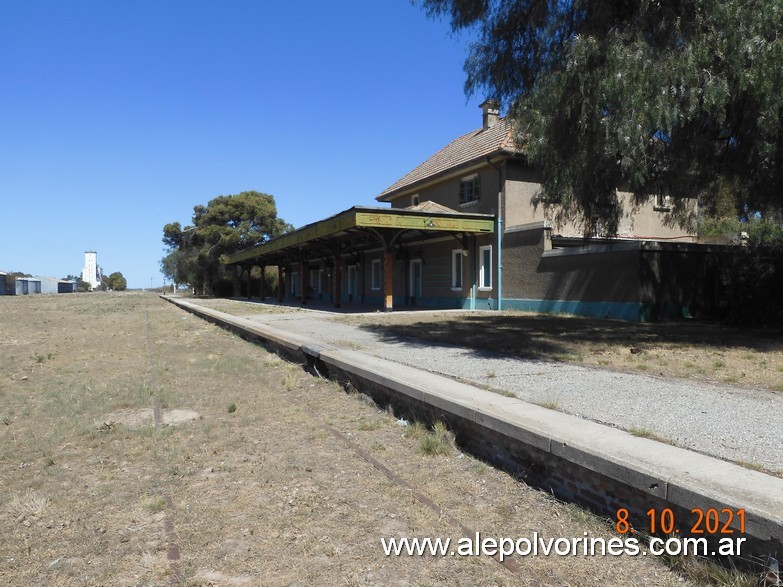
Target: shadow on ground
x=547, y=337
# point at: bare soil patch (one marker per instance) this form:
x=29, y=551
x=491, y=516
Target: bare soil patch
x=262, y=494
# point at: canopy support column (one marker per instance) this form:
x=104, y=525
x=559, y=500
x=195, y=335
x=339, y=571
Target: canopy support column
x=338, y=278
x=280, y=283
x=388, y=289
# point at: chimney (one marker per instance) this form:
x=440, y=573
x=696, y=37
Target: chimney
x=491, y=112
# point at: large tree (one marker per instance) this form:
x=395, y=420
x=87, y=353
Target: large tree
x=227, y=224
x=682, y=96
x=116, y=281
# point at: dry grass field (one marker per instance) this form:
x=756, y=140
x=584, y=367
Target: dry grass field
x=140, y=445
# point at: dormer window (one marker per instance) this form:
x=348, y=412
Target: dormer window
x=415, y=200
x=469, y=189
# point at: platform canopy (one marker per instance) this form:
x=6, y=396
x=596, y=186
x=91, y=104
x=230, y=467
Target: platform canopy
x=362, y=228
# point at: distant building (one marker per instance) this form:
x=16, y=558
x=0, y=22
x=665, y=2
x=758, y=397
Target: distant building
x=20, y=286
x=92, y=272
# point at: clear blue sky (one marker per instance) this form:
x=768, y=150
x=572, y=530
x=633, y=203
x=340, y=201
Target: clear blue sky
x=118, y=117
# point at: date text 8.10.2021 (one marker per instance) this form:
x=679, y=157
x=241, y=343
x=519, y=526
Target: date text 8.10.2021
x=705, y=521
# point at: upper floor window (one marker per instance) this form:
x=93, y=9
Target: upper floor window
x=469, y=189
x=662, y=201
x=415, y=200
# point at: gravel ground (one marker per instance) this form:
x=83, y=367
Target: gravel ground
x=739, y=425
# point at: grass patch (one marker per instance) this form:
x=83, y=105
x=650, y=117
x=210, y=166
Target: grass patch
x=505, y=392
x=154, y=504
x=549, y=404
x=649, y=434
x=436, y=441
x=290, y=378
x=753, y=466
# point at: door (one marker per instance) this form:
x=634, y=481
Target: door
x=353, y=284
x=415, y=281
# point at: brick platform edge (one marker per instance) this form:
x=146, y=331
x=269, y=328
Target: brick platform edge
x=594, y=465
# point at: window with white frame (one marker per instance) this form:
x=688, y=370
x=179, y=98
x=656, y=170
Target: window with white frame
x=456, y=269
x=485, y=267
x=469, y=189
x=375, y=280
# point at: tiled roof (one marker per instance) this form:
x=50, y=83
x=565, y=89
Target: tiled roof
x=469, y=147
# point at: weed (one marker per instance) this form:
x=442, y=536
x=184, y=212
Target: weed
x=5, y=420
x=506, y=392
x=719, y=364
x=232, y=408
x=378, y=446
x=370, y=424
x=155, y=504
x=481, y=468
x=753, y=466
x=777, y=387
x=290, y=378
x=40, y=359
x=650, y=434
x=642, y=367
x=490, y=375
x=416, y=430
x=32, y=503
x=548, y=404
x=438, y=441
x=731, y=379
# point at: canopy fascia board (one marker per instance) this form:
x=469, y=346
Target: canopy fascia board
x=368, y=217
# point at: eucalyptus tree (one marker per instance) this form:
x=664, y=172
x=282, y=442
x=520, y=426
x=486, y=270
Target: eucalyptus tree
x=227, y=224
x=684, y=96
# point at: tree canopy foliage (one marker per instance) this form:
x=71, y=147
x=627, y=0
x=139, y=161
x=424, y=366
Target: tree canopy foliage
x=227, y=224
x=670, y=96
x=116, y=281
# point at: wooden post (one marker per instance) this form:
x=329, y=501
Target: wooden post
x=263, y=282
x=388, y=290
x=248, y=281
x=338, y=276
x=280, y=284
